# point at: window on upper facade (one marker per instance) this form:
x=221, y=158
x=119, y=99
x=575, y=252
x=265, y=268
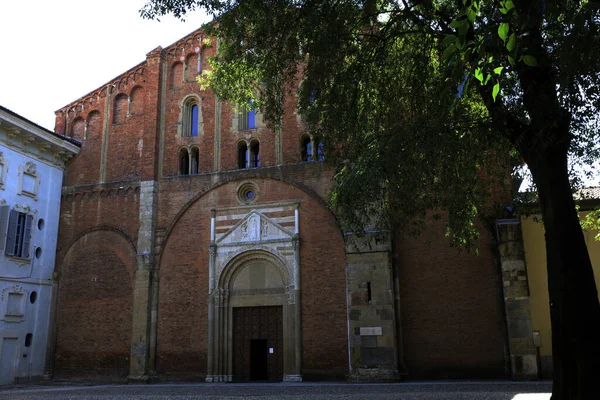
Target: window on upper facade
x=247, y=117
x=15, y=232
x=195, y=160
x=306, y=148
x=254, y=154
x=184, y=162
x=190, y=117
x=242, y=155
x=194, y=120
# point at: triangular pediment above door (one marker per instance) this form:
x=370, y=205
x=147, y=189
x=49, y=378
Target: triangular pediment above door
x=255, y=227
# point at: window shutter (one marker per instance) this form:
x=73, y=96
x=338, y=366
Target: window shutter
x=3, y=225
x=11, y=235
x=27, y=236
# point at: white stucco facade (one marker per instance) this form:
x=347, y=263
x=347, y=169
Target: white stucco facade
x=32, y=160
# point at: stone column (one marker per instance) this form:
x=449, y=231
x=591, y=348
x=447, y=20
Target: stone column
x=523, y=353
x=140, y=363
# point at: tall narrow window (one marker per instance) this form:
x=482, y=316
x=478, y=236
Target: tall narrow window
x=199, y=63
x=195, y=160
x=194, y=120
x=247, y=117
x=242, y=155
x=254, y=154
x=184, y=162
x=18, y=237
x=306, y=148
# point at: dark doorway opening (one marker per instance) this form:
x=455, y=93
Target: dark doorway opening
x=258, y=360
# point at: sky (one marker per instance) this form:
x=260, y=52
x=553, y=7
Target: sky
x=55, y=51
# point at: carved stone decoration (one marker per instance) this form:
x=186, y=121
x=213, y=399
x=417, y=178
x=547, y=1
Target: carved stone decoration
x=264, y=229
x=245, y=231
x=30, y=168
x=16, y=288
x=289, y=292
x=254, y=241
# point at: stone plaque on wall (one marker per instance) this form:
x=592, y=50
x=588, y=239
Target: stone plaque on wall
x=371, y=331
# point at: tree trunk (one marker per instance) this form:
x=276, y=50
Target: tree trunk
x=574, y=306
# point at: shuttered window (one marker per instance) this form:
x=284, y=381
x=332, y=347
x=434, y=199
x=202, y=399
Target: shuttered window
x=4, y=210
x=18, y=236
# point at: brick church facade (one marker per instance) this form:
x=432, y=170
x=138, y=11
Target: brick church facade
x=196, y=243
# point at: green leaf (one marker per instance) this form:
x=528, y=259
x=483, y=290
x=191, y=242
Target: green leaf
x=450, y=50
x=448, y=40
x=487, y=79
x=511, y=60
x=509, y=5
x=471, y=14
x=512, y=42
x=495, y=90
x=498, y=70
x=530, y=61
x=479, y=75
x=503, y=31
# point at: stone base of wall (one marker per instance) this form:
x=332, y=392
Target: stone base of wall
x=374, y=375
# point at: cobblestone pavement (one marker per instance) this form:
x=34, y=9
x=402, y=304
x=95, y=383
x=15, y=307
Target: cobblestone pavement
x=185, y=391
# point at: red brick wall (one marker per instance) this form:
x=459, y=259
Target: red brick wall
x=95, y=272
x=94, y=306
x=182, y=318
x=451, y=307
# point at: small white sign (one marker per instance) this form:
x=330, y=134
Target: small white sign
x=371, y=331
x=270, y=350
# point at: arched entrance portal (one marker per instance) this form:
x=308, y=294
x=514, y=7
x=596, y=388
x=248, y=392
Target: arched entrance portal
x=254, y=303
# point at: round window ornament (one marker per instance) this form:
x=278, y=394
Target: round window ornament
x=197, y=49
x=247, y=192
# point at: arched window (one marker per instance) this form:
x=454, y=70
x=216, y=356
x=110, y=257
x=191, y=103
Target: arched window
x=184, y=162
x=176, y=75
x=254, y=154
x=120, y=108
x=242, y=155
x=77, y=128
x=195, y=160
x=306, y=148
x=93, y=125
x=190, y=115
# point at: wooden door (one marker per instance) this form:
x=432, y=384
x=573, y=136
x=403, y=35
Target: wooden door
x=251, y=327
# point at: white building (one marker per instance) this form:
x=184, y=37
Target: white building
x=32, y=160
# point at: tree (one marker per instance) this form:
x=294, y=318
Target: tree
x=419, y=101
